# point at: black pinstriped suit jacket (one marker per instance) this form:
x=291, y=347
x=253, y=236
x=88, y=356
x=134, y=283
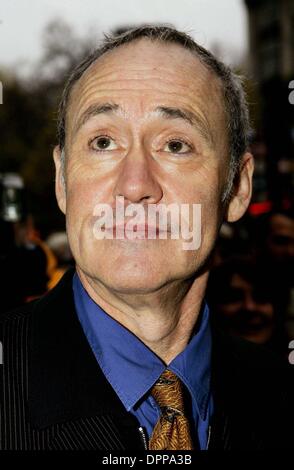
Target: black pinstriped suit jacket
x=53, y=395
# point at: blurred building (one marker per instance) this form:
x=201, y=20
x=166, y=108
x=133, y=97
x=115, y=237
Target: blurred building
x=271, y=58
x=271, y=33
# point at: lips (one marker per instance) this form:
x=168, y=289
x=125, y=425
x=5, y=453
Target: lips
x=143, y=230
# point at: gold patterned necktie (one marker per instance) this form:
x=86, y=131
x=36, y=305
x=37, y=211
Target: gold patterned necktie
x=172, y=430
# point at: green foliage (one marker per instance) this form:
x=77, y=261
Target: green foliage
x=28, y=120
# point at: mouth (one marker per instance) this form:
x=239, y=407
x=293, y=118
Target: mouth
x=252, y=322
x=143, y=231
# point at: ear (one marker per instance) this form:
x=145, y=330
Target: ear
x=242, y=190
x=59, y=180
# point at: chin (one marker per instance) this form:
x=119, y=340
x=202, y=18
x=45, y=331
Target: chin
x=134, y=288
x=135, y=281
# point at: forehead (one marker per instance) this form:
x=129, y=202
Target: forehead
x=281, y=223
x=239, y=280
x=143, y=74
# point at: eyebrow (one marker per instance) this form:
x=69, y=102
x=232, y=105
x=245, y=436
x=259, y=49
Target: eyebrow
x=189, y=116
x=93, y=111
x=168, y=112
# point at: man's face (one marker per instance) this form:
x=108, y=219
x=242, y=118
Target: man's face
x=246, y=310
x=145, y=122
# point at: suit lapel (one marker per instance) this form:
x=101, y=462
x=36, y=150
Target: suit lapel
x=67, y=384
x=65, y=380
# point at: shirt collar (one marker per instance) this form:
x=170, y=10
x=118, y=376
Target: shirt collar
x=130, y=366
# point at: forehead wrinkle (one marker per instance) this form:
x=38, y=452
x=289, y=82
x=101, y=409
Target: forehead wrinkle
x=111, y=75
x=98, y=98
x=107, y=74
x=153, y=84
x=194, y=119
x=143, y=56
x=115, y=82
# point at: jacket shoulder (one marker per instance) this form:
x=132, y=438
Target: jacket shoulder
x=17, y=314
x=246, y=354
x=14, y=320
x=253, y=393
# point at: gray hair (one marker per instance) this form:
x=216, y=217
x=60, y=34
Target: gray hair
x=234, y=97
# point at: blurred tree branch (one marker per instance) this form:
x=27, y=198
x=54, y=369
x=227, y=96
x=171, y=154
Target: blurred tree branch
x=28, y=118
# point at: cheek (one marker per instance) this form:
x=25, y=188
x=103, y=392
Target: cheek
x=207, y=193
x=211, y=200
x=230, y=309
x=85, y=188
x=80, y=201
x=267, y=309
x=202, y=186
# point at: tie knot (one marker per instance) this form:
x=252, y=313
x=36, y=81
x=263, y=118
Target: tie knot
x=168, y=393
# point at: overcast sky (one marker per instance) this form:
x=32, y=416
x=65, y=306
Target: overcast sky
x=209, y=21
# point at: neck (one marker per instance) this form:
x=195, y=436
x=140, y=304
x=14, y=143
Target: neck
x=163, y=320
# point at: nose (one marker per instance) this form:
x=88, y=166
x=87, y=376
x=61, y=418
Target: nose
x=137, y=181
x=249, y=302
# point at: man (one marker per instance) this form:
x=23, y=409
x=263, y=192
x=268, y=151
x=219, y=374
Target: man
x=243, y=302
x=274, y=246
x=121, y=354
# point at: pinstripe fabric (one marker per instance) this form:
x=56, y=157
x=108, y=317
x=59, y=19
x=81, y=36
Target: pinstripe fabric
x=16, y=433
x=14, y=389
x=53, y=394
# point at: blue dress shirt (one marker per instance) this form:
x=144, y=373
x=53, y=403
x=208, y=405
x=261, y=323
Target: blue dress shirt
x=132, y=368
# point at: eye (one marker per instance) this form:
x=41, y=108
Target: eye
x=177, y=146
x=103, y=142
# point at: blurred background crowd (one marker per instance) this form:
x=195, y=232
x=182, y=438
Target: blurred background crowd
x=251, y=288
